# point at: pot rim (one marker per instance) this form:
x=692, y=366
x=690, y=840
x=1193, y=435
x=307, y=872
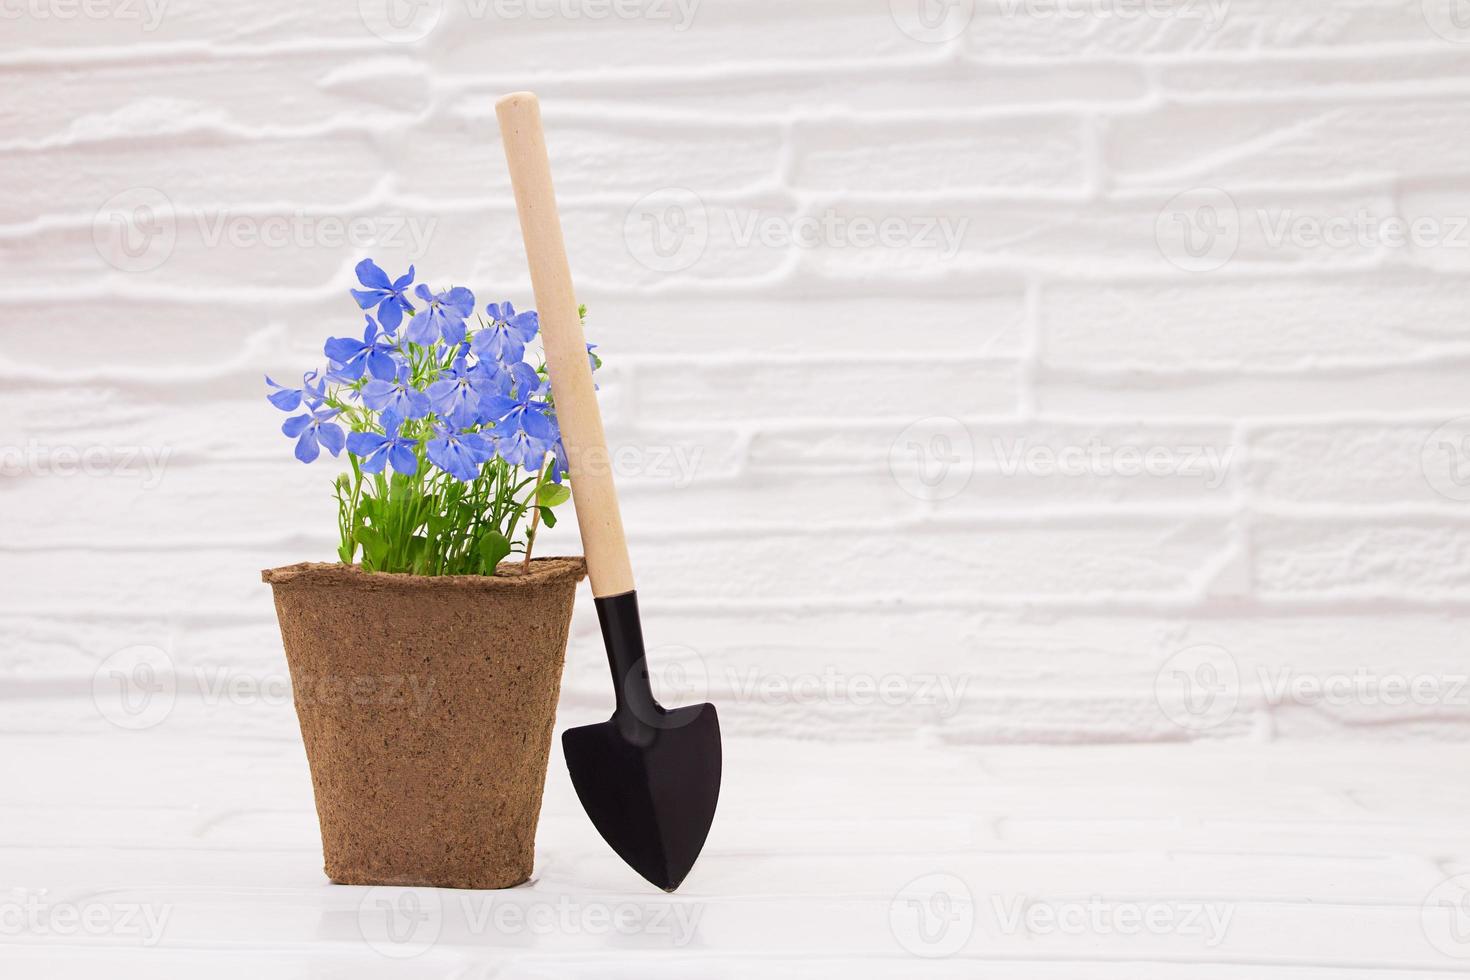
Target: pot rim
x=544, y=571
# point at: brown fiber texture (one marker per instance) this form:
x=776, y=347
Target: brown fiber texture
x=427, y=706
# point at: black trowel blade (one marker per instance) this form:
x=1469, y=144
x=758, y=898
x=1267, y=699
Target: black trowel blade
x=651, y=791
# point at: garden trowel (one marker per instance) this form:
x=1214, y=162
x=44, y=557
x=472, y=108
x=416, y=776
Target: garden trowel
x=649, y=777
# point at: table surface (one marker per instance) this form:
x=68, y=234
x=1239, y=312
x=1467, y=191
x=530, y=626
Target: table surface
x=190, y=849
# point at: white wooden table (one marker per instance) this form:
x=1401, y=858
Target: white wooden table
x=190, y=850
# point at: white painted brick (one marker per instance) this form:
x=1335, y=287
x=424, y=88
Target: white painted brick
x=1236, y=325
x=1036, y=30
x=194, y=171
x=462, y=151
x=1414, y=560
x=1152, y=558
x=812, y=89
x=1408, y=71
x=1341, y=463
x=1293, y=143
x=783, y=391
x=1019, y=153
x=783, y=376
x=1422, y=389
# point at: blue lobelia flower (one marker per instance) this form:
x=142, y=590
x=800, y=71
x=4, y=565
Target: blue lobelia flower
x=397, y=396
x=519, y=447
x=559, y=463
x=314, y=431
x=349, y=357
x=506, y=337
x=457, y=394
x=442, y=316
x=520, y=411
x=378, y=450
x=460, y=454
x=312, y=391
x=386, y=296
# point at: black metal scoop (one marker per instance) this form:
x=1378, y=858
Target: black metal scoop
x=649, y=777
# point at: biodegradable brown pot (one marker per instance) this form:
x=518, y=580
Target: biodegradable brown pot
x=426, y=705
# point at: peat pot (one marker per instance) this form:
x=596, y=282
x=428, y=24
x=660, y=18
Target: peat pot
x=426, y=704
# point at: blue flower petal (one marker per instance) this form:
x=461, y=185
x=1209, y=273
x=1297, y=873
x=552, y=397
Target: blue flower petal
x=287, y=399
x=404, y=460
x=306, y=447
x=382, y=365
x=363, y=443
x=371, y=276
x=331, y=436
x=295, y=424
x=390, y=314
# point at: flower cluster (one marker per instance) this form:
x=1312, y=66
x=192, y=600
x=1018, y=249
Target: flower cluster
x=445, y=421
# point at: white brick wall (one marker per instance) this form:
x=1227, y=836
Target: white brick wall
x=993, y=239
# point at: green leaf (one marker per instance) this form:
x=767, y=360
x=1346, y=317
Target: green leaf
x=548, y=517
x=493, y=547
x=417, y=558
x=553, y=495
x=374, y=548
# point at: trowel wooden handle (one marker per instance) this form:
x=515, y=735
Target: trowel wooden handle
x=566, y=348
